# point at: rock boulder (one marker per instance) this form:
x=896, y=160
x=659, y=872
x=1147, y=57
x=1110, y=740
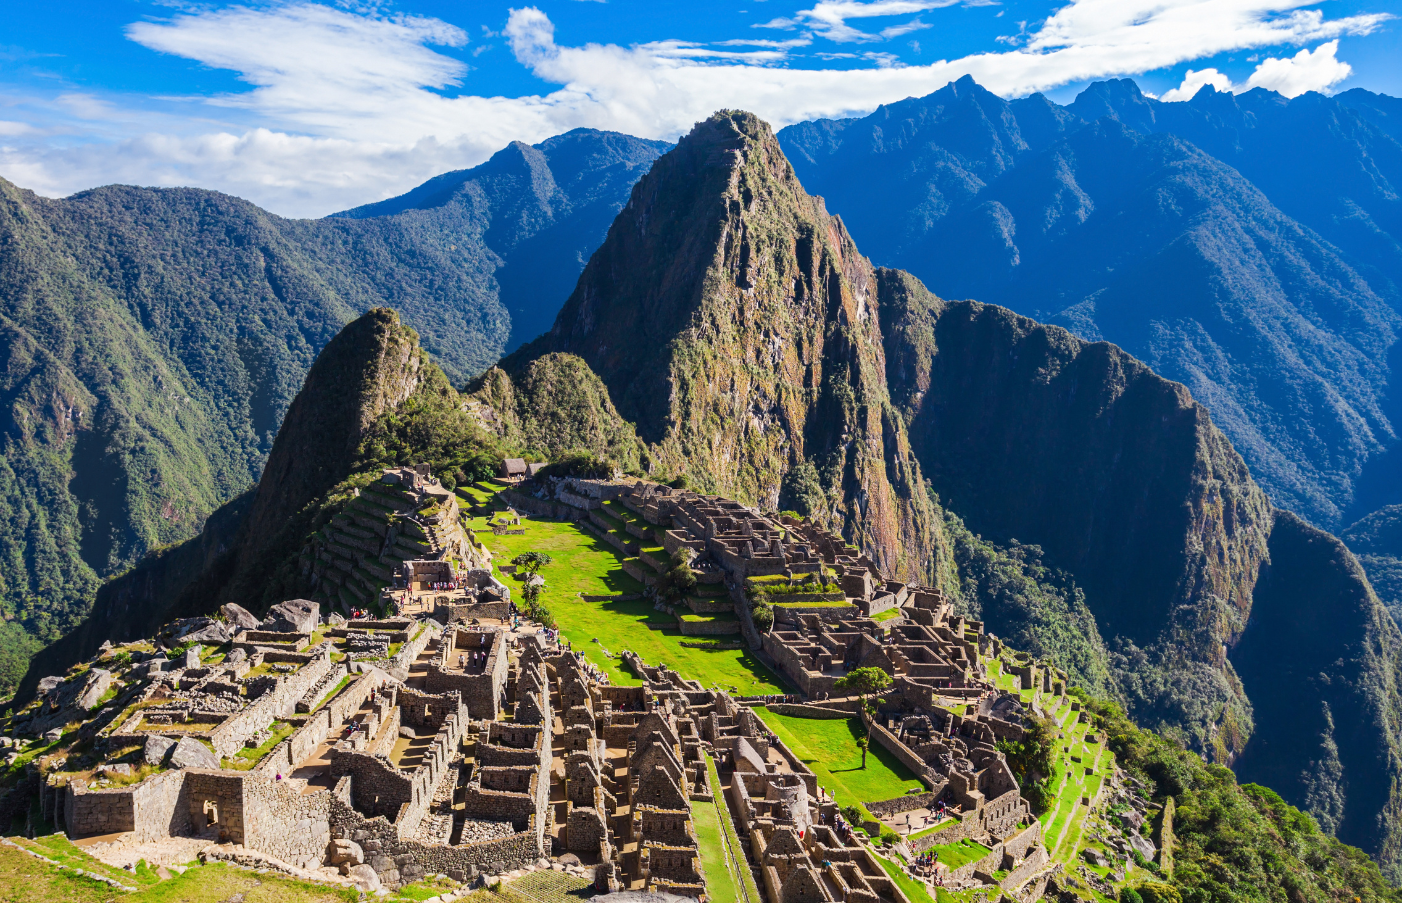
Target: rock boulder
x=191, y=753
x=238, y=617
x=293, y=616
x=157, y=747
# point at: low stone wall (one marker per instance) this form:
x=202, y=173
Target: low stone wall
x=450, y=614
x=399, y=862
x=954, y=833
x=708, y=628
x=1025, y=870
x=798, y=710
x=895, y=806
x=228, y=738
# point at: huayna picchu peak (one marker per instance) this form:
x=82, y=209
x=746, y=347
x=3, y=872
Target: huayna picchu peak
x=765, y=574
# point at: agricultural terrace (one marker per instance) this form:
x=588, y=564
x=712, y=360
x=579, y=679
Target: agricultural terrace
x=585, y=567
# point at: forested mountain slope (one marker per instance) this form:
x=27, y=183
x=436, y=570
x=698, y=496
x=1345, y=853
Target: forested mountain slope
x=1244, y=245
x=152, y=340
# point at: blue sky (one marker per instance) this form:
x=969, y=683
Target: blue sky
x=307, y=108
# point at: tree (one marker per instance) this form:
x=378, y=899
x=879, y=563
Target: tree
x=862, y=744
x=864, y=682
x=679, y=579
x=763, y=616
x=531, y=562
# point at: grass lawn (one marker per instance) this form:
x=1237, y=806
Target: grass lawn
x=915, y=891
x=24, y=879
x=715, y=863
x=741, y=881
x=961, y=853
x=547, y=887
x=584, y=565
x=829, y=747
x=886, y=615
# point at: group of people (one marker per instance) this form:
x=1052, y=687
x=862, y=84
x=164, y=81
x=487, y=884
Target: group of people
x=473, y=659
x=928, y=865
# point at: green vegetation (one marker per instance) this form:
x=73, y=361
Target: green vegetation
x=829, y=748
x=583, y=565
x=961, y=853
x=719, y=843
x=246, y=758
x=1033, y=608
x=1238, y=843
x=24, y=879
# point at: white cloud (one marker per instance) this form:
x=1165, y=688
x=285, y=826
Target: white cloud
x=1194, y=80
x=1305, y=71
x=828, y=18
x=346, y=108
x=1319, y=70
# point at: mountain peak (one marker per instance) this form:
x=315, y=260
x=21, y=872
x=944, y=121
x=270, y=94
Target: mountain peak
x=733, y=320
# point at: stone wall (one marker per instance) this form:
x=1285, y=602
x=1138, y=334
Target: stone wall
x=228, y=738
x=154, y=809
x=88, y=812
x=797, y=710
x=220, y=793
x=708, y=628
x=903, y=753
x=400, y=861
x=280, y=821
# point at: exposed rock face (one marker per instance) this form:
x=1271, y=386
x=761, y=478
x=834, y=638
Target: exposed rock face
x=734, y=322
x=238, y=617
x=157, y=748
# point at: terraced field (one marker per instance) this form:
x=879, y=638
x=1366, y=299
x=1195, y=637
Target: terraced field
x=585, y=567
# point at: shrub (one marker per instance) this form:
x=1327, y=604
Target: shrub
x=763, y=616
x=1156, y=892
x=1130, y=895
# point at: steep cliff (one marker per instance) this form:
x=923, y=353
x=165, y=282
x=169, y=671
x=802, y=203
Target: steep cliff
x=734, y=322
x=1319, y=659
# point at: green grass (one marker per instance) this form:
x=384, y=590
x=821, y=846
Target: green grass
x=246, y=758
x=961, y=853
x=915, y=891
x=545, y=887
x=706, y=618
x=829, y=748
x=584, y=565
x=24, y=879
x=426, y=889
x=334, y=690
x=935, y=828
x=714, y=828
x=887, y=615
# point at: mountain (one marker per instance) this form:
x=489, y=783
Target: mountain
x=1244, y=245
x=152, y=339
x=767, y=360
x=542, y=210
x=371, y=382
x=734, y=324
